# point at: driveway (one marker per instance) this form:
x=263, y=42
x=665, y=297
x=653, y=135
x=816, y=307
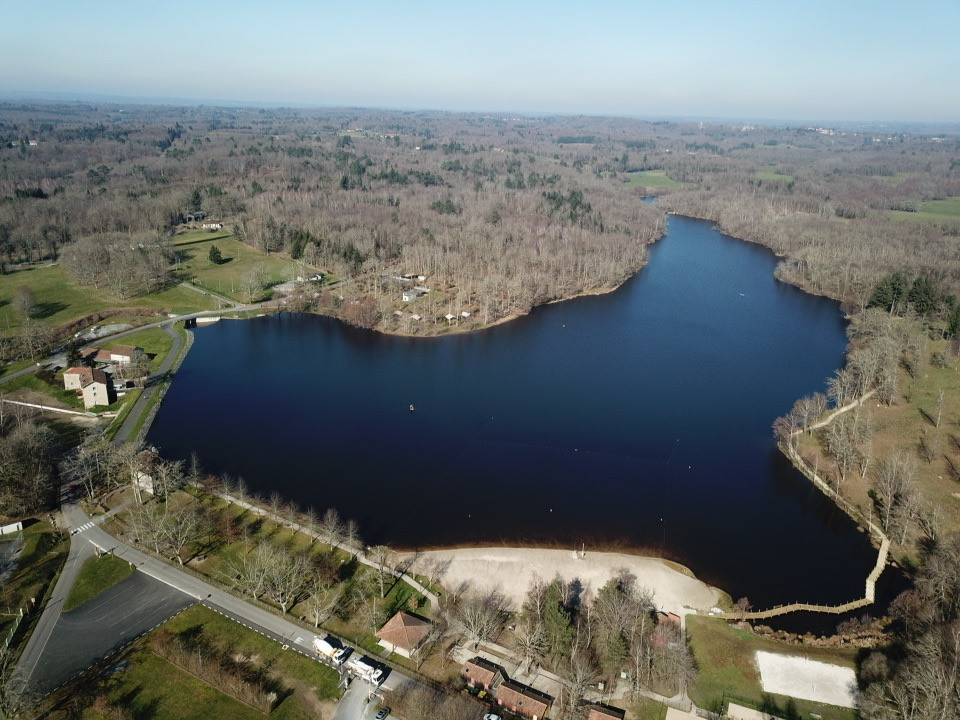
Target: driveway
x=359, y=702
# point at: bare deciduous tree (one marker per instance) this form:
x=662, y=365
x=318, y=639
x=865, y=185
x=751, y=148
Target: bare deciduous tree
x=481, y=615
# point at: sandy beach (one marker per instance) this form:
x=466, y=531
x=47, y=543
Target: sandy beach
x=512, y=571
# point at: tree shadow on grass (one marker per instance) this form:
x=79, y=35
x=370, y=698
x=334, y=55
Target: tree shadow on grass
x=44, y=310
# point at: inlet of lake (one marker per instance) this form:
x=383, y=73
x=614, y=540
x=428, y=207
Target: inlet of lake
x=639, y=419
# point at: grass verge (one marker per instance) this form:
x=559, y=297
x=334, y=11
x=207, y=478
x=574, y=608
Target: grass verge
x=44, y=553
x=97, y=575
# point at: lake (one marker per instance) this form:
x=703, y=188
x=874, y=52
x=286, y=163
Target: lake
x=640, y=419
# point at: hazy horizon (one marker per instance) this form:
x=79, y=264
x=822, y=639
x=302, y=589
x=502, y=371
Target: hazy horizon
x=809, y=61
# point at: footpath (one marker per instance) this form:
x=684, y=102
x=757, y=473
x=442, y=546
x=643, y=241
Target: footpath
x=789, y=449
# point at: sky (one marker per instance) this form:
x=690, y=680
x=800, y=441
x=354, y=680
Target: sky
x=850, y=60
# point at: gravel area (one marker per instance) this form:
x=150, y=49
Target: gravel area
x=798, y=677
x=512, y=570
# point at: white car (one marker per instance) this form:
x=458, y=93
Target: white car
x=491, y=716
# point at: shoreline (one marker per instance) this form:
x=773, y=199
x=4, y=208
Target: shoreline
x=511, y=571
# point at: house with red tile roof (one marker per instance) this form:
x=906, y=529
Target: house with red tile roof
x=91, y=384
x=603, y=712
x=522, y=700
x=404, y=633
x=482, y=673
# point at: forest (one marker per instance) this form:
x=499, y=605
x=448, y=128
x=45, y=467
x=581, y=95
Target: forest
x=496, y=214
x=427, y=222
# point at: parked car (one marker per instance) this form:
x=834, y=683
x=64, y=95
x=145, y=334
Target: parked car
x=383, y=713
x=492, y=716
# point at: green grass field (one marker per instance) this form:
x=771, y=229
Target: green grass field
x=96, y=575
x=154, y=341
x=768, y=173
x=44, y=554
x=653, y=179
x=238, y=259
x=725, y=658
x=54, y=390
x=59, y=302
x=938, y=211
x=151, y=687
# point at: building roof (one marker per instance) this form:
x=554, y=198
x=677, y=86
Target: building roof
x=405, y=631
x=602, y=712
x=87, y=375
x=482, y=671
x=525, y=699
x=125, y=350
x=97, y=354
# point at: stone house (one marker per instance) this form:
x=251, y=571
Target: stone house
x=91, y=384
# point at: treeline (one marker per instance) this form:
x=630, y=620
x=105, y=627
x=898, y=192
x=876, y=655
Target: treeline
x=203, y=657
x=918, y=675
x=29, y=471
x=499, y=214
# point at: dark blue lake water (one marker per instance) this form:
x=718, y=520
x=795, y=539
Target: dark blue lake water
x=639, y=419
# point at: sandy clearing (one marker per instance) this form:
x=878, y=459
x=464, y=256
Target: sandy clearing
x=799, y=677
x=513, y=571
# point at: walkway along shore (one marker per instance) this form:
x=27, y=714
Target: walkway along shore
x=869, y=591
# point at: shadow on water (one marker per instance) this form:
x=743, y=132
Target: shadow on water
x=637, y=419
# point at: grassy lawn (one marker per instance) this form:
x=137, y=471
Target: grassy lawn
x=906, y=424
x=154, y=341
x=321, y=679
x=44, y=554
x=652, y=178
x=31, y=381
x=59, y=301
x=149, y=686
x=940, y=211
x=96, y=575
x=725, y=658
x=768, y=172
x=238, y=259
x=16, y=367
x=647, y=709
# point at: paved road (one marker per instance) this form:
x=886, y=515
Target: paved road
x=59, y=359
x=225, y=300
x=154, y=385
